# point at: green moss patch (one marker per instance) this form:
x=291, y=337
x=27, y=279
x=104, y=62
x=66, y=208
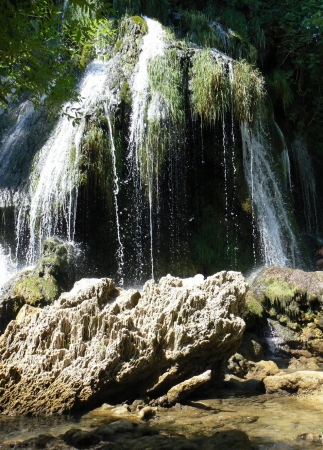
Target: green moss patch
x=37, y=291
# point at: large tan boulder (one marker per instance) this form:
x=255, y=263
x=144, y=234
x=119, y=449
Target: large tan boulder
x=262, y=369
x=302, y=383
x=99, y=343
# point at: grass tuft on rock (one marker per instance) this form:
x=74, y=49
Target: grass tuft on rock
x=248, y=89
x=165, y=112
x=210, y=87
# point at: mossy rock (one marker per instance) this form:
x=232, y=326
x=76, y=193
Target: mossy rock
x=255, y=315
x=37, y=291
x=141, y=23
x=292, y=296
x=40, y=286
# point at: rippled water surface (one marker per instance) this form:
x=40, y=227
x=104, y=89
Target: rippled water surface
x=270, y=422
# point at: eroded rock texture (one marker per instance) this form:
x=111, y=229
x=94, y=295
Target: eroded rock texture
x=98, y=342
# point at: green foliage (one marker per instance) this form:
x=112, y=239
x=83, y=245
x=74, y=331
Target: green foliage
x=166, y=118
x=199, y=29
x=247, y=89
x=279, y=87
x=130, y=7
x=210, y=87
x=157, y=9
x=41, y=48
x=96, y=161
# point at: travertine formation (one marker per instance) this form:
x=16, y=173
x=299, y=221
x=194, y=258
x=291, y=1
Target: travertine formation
x=98, y=343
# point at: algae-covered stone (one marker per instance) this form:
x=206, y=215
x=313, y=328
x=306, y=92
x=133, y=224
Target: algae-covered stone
x=41, y=285
x=289, y=290
x=255, y=315
x=293, y=300
x=36, y=291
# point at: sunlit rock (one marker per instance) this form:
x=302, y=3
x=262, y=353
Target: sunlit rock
x=100, y=343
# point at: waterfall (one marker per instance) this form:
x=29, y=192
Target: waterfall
x=120, y=251
x=48, y=206
x=307, y=182
x=141, y=158
x=277, y=240
x=7, y=267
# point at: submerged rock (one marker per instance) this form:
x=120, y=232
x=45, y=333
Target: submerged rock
x=41, y=285
x=99, y=343
x=125, y=435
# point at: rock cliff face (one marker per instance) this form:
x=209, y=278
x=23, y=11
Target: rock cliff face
x=98, y=342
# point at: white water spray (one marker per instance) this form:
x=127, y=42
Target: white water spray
x=7, y=266
x=278, y=243
x=120, y=251
x=152, y=46
x=49, y=207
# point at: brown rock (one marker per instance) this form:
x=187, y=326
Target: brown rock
x=303, y=364
x=240, y=384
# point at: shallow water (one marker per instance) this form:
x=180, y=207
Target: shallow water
x=270, y=422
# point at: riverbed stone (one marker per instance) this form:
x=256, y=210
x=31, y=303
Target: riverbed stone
x=182, y=390
x=262, y=369
x=303, y=364
x=101, y=343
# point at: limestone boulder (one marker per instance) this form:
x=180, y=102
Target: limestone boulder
x=40, y=285
x=303, y=364
x=300, y=383
x=99, y=343
x=262, y=369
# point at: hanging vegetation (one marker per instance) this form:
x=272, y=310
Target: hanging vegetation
x=210, y=87
x=95, y=161
x=248, y=88
x=165, y=112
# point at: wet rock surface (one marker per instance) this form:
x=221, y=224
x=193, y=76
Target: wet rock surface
x=292, y=300
x=40, y=286
x=99, y=342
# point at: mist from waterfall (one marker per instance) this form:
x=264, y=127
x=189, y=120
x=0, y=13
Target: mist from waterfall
x=7, y=266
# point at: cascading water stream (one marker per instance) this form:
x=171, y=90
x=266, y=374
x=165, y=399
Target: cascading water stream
x=140, y=158
x=278, y=243
x=7, y=267
x=307, y=182
x=49, y=205
x=120, y=251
